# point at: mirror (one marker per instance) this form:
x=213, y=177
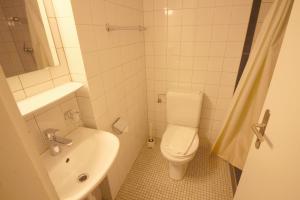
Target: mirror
x=25, y=37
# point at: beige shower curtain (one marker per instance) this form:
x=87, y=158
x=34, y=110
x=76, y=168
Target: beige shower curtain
x=235, y=136
x=39, y=42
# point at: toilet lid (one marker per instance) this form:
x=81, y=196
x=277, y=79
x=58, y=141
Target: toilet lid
x=178, y=140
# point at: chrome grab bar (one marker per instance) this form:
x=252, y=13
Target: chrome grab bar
x=109, y=28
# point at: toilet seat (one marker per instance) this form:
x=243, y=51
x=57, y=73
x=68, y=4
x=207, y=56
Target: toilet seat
x=176, y=157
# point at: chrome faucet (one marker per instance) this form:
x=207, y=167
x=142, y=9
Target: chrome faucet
x=55, y=141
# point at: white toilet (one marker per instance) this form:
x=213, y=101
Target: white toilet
x=180, y=140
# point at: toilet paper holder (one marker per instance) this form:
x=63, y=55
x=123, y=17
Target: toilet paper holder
x=159, y=97
x=120, y=125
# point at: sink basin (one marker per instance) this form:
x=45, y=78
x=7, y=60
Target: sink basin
x=79, y=168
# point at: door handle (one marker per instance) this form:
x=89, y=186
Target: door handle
x=260, y=128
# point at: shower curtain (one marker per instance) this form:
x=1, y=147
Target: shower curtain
x=39, y=42
x=235, y=136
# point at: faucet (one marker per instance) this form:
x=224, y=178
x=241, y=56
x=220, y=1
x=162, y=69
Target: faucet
x=55, y=141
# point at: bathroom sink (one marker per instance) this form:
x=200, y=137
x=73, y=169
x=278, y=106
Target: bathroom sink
x=79, y=168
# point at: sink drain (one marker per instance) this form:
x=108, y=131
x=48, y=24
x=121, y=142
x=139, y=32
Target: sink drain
x=82, y=177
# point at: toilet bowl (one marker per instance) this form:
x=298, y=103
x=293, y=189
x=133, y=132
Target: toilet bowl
x=180, y=140
x=178, y=163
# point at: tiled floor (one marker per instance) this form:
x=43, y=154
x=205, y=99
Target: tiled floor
x=207, y=178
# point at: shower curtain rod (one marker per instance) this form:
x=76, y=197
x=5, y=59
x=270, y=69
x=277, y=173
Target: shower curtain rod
x=109, y=28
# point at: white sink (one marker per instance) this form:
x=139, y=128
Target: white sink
x=92, y=153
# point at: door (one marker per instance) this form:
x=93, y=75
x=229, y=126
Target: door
x=272, y=172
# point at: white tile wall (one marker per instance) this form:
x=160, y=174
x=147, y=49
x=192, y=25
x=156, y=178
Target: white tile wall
x=115, y=69
x=69, y=38
x=194, y=45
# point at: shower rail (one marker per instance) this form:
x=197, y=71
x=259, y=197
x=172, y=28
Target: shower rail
x=109, y=28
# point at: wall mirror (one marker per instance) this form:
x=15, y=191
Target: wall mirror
x=26, y=42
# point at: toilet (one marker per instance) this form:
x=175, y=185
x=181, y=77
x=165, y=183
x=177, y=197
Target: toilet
x=180, y=140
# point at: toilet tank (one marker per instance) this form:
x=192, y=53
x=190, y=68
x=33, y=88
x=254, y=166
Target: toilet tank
x=184, y=108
